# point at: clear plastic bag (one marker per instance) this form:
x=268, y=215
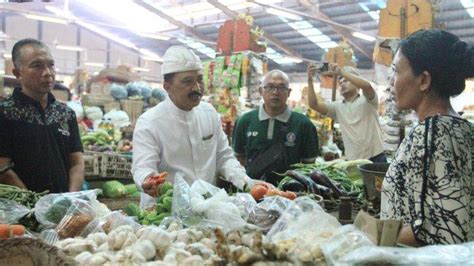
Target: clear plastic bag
x=77, y=217
x=181, y=206
x=462, y=254
x=267, y=212
x=299, y=231
x=50, y=209
x=245, y=203
x=215, y=205
x=11, y=211
x=345, y=240
x=109, y=222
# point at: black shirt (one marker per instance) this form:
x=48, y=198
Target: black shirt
x=39, y=141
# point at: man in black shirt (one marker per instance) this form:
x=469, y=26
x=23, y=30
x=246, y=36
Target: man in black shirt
x=40, y=147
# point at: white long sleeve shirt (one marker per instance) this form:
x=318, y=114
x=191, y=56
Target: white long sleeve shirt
x=169, y=139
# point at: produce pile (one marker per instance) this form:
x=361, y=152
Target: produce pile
x=115, y=189
x=330, y=180
x=24, y=197
x=101, y=140
x=156, y=214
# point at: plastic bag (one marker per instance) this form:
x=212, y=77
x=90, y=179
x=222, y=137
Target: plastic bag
x=299, y=231
x=267, y=212
x=11, y=211
x=215, y=205
x=109, y=222
x=181, y=206
x=430, y=255
x=77, y=217
x=345, y=240
x=50, y=209
x=245, y=203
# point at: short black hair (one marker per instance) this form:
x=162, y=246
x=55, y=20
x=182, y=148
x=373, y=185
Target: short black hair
x=16, y=51
x=168, y=77
x=449, y=60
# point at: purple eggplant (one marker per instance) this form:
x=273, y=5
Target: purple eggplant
x=319, y=177
x=310, y=185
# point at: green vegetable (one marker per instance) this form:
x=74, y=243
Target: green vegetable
x=168, y=193
x=132, y=209
x=131, y=188
x=136, y=194
x=25, y=197
x=57, y=211
x=167, y=203
x=160, y=207
x=165, y=187
x=114, y=189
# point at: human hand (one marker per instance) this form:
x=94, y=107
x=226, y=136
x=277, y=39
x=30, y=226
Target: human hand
x=312, y=69
x=152, y=183
x=334, y=69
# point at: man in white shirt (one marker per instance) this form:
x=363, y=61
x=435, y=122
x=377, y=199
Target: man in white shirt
x=182, y=134
x=356, y=114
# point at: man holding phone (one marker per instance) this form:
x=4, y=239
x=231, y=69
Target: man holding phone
x=356, y=114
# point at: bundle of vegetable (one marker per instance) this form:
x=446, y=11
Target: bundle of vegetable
x=24, y=197
x=161, y=210
x=99, y=141
x=323, y=179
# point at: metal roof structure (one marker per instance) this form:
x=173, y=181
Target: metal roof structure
x=303, y=32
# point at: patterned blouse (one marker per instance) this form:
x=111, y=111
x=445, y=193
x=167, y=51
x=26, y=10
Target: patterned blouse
x=430, y=182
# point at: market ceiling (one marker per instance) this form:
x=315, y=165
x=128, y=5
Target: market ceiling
x=296, y=31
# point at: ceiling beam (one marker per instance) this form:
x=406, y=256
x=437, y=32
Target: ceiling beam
x=187, y=29
x=279, y=44
x=341, y=29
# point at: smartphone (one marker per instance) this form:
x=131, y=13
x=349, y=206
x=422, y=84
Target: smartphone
x=322, y=67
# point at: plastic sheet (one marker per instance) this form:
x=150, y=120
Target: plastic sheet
x=298, y=233
x=50, y=209
x=11, y=211
x=268, y=211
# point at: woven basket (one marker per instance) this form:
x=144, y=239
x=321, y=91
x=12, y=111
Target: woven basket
x=97, y=99
x=115, y=165
x=134, y=108
x=113, y=105
x=31, y=251
x=91, y=163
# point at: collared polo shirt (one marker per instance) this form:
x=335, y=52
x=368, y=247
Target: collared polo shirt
x=256, y=130
x=39, y=141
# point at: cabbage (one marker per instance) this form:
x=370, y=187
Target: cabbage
x=159, y=94
x=118, y=92
x=114, y=189
x=146, y=92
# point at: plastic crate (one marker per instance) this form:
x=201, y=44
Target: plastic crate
x=115, y=165
x=91, y=163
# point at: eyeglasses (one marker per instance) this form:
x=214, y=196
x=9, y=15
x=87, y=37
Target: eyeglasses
x=271, y=88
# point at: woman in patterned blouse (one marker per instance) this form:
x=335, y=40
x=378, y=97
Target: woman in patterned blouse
x=429, y=185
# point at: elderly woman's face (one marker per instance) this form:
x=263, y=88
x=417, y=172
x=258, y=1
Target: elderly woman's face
x=405, y=84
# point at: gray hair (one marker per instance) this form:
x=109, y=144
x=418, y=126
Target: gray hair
x=16, y=51
x=275, y=72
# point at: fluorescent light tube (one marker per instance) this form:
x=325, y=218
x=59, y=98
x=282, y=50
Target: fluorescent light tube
x=69, y=48
x=46, y=18
x=94, y=64
x=142, y=69
x=284, y=14
x=363, y=36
